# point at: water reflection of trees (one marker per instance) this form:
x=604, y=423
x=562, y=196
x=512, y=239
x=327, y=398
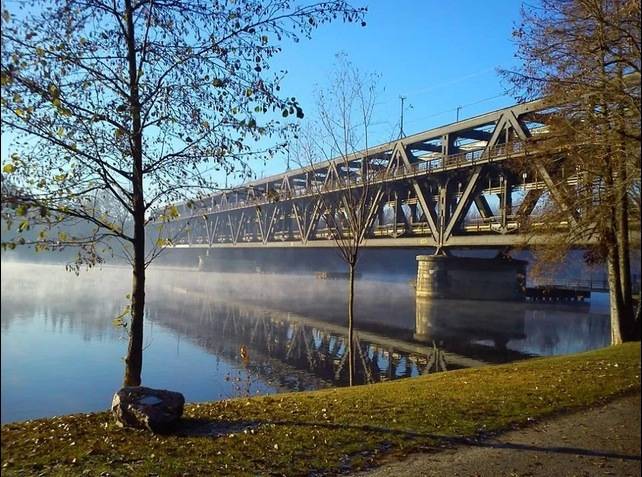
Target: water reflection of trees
x=285, y=349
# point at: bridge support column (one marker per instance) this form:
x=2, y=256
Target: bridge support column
x=468, y=278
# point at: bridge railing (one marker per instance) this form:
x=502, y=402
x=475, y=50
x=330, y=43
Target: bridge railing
x=590, y=284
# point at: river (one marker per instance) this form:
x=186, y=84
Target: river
x=62, y=353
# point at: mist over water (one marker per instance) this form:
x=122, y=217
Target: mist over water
x=61, y=353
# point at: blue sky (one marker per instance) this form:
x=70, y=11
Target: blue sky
x=438, y=54
x=441, y=55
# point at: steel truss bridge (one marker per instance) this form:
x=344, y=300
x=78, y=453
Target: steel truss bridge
x=459, y=185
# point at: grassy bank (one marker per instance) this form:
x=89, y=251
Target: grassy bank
x=324, y=431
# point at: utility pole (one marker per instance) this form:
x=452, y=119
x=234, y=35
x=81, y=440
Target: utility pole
x=401, y=132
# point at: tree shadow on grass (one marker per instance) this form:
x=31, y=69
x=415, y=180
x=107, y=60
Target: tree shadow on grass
x=198, y=427
x=193, y=427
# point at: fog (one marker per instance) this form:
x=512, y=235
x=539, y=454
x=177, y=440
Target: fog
x=92, y=299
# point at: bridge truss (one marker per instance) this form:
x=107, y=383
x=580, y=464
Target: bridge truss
x=466, y=184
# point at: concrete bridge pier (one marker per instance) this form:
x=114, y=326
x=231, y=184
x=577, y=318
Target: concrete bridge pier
x=468, y=278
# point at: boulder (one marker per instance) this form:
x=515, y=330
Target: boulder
x=147, y=408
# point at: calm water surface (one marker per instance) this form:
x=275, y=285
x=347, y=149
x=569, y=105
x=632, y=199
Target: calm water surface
x=61, y=353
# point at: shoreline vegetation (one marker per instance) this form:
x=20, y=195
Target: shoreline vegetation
x=328, y=431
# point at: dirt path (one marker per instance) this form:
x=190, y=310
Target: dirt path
x=601, y=441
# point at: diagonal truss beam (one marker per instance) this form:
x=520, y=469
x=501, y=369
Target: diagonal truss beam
x=464, y=202
x=314, y=218
x=426, y=205
x=557, y=191
x=372, y=212
x=482, y=205
x=299, y=223
x=270, y=226
x=529, y=202
x=235, y=239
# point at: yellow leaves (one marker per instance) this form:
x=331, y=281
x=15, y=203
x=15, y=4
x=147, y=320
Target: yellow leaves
x=114, y=227
x=21, y=210
x=24, y=225
x=5, y=79
x=119, y=321
x=40, y=52
x=163, y=242
x=119, y=133
x=53, y=91
x=172, y=212
x=8, y=168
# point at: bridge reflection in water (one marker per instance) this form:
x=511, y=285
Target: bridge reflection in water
x=294, y=352
x=298, y=342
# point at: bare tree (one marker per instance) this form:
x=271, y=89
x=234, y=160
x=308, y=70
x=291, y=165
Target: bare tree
x=138, y=99
x=584, y=57
x=341, y=135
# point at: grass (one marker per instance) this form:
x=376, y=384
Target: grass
x=328, y=431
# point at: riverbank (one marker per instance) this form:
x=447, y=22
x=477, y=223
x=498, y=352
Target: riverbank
x=328, y=431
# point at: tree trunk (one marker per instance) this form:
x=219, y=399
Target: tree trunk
x=134, y=359
x=351, y=324
x=624, y=263
x=615, y=295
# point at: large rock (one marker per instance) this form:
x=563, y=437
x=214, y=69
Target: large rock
x=147, y=408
